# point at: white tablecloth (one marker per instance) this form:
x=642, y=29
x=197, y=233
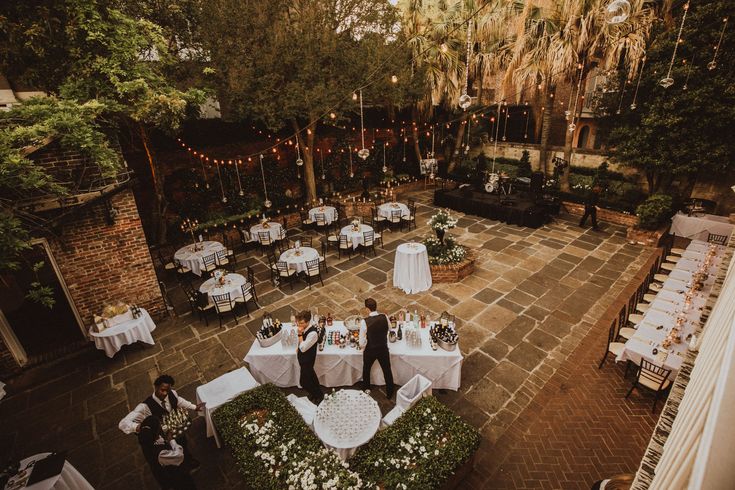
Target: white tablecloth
x=699, y=227
x=233, y=285
x=220, y=391
x=112, y=339
x=665, y=308
x=355, y=237
x=337, y=366
x=68, y=479
x=329, y=212
x=346, y=420
x=274, y=229
x=193, y=260
x=411, y=271
x=298, y=262
x=386, y=209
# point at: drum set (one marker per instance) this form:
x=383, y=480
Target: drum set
x=498, y=183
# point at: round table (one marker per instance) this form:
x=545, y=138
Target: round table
x=346, y=420
x=192, y=259
x=233, y=285
x=125, y=332
x=411, y=270
x=329, y=212
x=68, y=479
x=274, y=229
x=386, y=209
x=355, y=237
x=297, y=260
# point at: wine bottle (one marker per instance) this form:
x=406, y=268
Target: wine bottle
x=400, y=333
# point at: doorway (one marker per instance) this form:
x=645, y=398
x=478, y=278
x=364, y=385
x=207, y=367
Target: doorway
x=40, y=333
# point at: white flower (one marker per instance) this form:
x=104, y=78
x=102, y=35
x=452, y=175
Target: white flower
x=436, y=452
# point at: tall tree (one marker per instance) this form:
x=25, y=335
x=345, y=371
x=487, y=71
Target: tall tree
x=294, y=61
x=684, y=131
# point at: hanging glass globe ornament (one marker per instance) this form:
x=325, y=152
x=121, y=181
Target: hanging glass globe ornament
x=224, y=199
x=572, y=127
x=567, y=114
x=404, y=159
x=666, y=82
x=465, y=101
x=241, y=193
x=352, y=175
x=685, y=87
x=385, y=169
x=324, y=177
x=196, y=185
x=503, y=138
x=711, y=65
x=633, y=106
x=299, y=162
x=364, y=153
x=207, y=186
x=617, y=11
x=267, y=203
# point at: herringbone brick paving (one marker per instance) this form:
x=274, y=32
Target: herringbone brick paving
x=578, y=429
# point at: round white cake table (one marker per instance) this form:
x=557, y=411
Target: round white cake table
x=346, y=420
x=233, y=285
x=297, y=259
x=411, y=271
x=192, y=259
x=355, y=236
x=124, y=332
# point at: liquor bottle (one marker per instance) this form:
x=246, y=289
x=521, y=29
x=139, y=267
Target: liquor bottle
x=393, y=321
x=423, y=319
x=415, y=317
x=329, y=319
x=400, y=333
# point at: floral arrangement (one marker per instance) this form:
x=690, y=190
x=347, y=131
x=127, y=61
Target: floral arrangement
x=442, y=220
x=421, y=450
x=176, y=422
x=355, y=224
x=446, y=252
x=275, y=449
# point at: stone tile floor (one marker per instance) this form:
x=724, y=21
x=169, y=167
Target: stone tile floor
x=535, y=297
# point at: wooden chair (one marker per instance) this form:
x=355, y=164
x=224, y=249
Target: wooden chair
x=344, y=247
x=368, y=242
x=285, y=273
x=377, y=222
x=223, y=304
x=251, y=280
x=652, y=377
x=221, y=259
x=181, y=270
x=313, y=271
x=210, y=263
x=306, y=241
x=395, y=218
x=411, y=218
x=248, y=293
x=198, y=302
x=265, y=240
x=229, y=247
x=717, y=239
x=624, y=331
x=167, y=261
x=323, y=256
x=613, y=347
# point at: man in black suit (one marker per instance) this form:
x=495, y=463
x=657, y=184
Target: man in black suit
x=590, y=208
x=374, y=340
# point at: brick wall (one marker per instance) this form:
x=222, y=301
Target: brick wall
x=453, y=272
x=103, y=263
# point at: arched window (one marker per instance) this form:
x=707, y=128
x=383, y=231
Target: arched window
x=584, y=135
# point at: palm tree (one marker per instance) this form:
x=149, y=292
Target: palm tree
x=561, y=40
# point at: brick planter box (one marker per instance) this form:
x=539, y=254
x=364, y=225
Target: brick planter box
x=603, y=214
x=647, y=237
x=453, y=272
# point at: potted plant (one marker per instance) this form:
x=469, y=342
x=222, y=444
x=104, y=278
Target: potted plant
x=441, y=222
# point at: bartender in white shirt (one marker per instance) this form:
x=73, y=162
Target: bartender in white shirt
x=306, y=355
x=162, y=402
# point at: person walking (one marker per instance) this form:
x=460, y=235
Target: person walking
x=374, y=342
x=306, y=355
x=590, y=207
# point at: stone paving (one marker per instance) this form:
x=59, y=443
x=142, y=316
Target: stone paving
x=535, y=295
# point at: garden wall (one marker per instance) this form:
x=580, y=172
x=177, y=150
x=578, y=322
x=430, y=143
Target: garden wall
x=603, y=214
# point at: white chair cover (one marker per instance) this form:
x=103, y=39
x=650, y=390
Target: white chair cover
x=305, y=407
x=407, y=396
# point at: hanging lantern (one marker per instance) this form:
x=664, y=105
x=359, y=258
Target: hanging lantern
x=267, y=203
x=572, y=127
x=465, y=101
x=364, y=152
x=617, y=12
x=633, y=106
x=666, y=82
x=385, y=169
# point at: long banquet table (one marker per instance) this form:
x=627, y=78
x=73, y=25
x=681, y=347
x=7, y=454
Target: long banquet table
x=337, y=366
x=661, y=317
x=699, y=227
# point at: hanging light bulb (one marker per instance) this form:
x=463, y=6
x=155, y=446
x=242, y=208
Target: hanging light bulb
x=385, y=169
x=668, y=81
x=617, y=12
x=633, y=106
x=332, y=115
x=394, y=79
x=324, y=177
x=267, y=203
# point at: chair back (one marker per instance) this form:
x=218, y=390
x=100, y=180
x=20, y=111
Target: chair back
x=209, y=260
x=622, y=318
x=264, y=237
x=718, y=239
x=251, y=275
x=306, y=241
x=312, y=267
x=395, y=215
x=222, y=302
x=271, y=257
x=368, y=238
x=282, y=267
x=202, y=299
x=245, y=236
x=189, y=290
x=657, y=375
x=612, y=333
x=221, y=256
x=321, y=219
x=247, y=290
x=343, y=242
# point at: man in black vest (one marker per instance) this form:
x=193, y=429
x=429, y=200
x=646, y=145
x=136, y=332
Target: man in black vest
x=374, y=339
x=306, y=355
x=163, y=401
x=590, y=207
x=164, y=456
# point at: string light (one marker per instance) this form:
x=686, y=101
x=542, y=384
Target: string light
x=267, y=203
x=667, y=81
x=633, y=104
x=713, y=64
x=689, y=71
x=239, y=183
x=364, y=152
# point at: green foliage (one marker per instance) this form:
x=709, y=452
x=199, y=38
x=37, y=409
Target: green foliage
x=447, y=443
x=524, y=164
x=446, y=252
x=261, y=424
x=685, y=130
x=655, y=211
